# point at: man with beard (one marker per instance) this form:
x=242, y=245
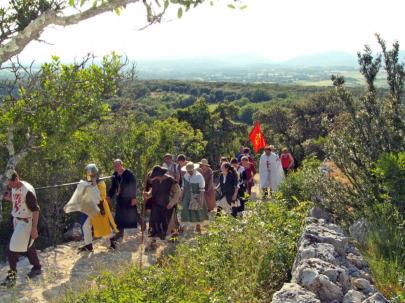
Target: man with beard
x=123, y=187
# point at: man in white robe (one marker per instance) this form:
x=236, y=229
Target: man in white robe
x=271, y=172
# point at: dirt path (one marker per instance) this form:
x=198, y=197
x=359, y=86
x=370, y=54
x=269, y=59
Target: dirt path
x=64, y=269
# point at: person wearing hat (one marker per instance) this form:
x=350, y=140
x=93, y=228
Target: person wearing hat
x=194, y=208
x=164, y=194
x=209, y=193
x=271, y=172
x=171, y=166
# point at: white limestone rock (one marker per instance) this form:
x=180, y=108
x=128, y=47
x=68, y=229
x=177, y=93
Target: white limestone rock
x=354, y=296
x=293, y=293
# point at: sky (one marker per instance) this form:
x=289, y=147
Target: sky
x=275, y=29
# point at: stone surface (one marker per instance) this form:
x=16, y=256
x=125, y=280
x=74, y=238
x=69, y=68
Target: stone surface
x=362, y=285
x=328, y=291
x=319, y=213
x=334, y=273
x=327, y=234
x=354, y=296
x=376, y=298
x=329, y=266
x=323, y=251
x=358, y=231
x=293, y=293
x=356, y=260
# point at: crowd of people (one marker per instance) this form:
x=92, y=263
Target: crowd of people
x=179, y=196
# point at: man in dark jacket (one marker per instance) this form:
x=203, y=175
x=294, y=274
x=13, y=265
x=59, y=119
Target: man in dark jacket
x=123, y=187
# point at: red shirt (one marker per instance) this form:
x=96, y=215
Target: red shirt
x=285, y=160
x=250, y=171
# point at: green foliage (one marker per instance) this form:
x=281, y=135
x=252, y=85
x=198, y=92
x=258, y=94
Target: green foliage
x=390, y=170
x=64, y=99
x=389, y=277
x=300, y=125
x=386, y=248
x=297, y=187
x=370, y=125
x=236, y=261
x=246, y=114
x=219, y=128
x=142, y=145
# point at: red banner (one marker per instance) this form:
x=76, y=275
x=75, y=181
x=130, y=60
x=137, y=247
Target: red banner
x=257, y=138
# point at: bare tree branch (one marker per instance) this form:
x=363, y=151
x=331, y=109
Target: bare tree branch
x=10, y=141
x=34, y=30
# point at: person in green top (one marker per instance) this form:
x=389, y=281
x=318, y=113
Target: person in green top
x=194, y=208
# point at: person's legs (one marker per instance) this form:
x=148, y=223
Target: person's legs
x=88, y=237
x=234, y=212
x=265, y=193
x=87, y=233
x=33, y=257
x=113, y=242
x=11, y=278
x=198, y=228
x=120, y=233
x=34, y=261
x=13, y=259
x=249, y=187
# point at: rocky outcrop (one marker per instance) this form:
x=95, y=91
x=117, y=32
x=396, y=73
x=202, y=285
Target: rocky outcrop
x=328, y=268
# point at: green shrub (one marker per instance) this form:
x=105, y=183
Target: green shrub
x=386, y=249
x=390, y=170
x=238, y=260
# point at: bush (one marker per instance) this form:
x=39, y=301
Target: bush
x=236, y=261
x=246, y=114
x=323, y=184
x=298, y=185
x=390, y=170
x=386, y=248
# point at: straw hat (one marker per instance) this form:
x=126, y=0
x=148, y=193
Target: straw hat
x=190, y=166
x=168, y=155
x=204, y=162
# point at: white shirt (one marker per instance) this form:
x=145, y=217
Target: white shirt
x=18, y=197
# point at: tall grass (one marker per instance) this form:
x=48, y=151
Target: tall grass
x=238, y=260
x=385, y=251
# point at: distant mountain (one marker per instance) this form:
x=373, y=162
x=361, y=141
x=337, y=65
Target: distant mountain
x=327, y=59
x=204, y=63
x=248, y=62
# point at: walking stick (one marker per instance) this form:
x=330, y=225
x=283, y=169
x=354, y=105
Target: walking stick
x=143, y=225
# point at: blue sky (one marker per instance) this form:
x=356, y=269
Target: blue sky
x=278, y=30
